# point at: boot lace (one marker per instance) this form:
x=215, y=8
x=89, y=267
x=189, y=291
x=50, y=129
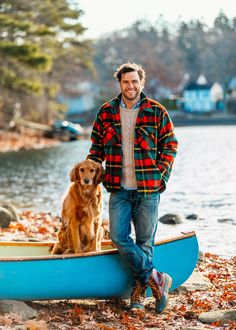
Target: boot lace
x=138, y=292
x=155, y=288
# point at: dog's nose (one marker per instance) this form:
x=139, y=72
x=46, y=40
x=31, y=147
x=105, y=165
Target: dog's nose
x=86, y=181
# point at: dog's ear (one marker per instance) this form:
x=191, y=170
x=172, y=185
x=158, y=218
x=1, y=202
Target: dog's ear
x=100, y=174
x=74, y=173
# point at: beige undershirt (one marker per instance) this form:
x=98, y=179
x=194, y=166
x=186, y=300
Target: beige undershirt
x=128, y=121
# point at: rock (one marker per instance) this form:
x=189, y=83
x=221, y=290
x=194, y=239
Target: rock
x=5, y=217
x=17, y=307
x=228, y=220
x=36, y=325
x=193, y=216
x=15, y=327
x=8, y=213
x=195, y=282
x=201, y=257
x=11, y=209
x=171, y=219
x=222, y=315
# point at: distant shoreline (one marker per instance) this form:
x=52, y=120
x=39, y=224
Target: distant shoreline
x=203, y=122
x=12, y=141
x=188, y=119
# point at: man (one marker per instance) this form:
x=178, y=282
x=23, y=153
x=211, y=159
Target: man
x=135, y=136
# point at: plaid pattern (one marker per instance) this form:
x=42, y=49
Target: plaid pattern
x=155, y=145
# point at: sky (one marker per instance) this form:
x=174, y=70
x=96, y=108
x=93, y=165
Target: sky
x=105, y=16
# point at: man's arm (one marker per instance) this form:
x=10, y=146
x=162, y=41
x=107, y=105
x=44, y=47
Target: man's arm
x=96, y=151
x=167, y=147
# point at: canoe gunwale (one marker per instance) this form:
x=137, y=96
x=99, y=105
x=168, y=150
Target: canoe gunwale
x=77, y=255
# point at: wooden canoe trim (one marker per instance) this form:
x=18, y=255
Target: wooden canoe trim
x=77, y=255
x=104, y=243
x=176, y=238
x=26, y=243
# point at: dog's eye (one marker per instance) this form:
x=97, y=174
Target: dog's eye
x=81, y=169
x=92, y=170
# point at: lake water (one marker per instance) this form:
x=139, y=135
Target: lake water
x=203, y=182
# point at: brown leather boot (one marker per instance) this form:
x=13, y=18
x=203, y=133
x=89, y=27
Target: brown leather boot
x=137, y=296
x=160, y=284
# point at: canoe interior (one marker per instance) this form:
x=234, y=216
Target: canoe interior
x=23, y=249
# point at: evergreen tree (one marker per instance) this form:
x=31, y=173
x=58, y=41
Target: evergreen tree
x=40, y=41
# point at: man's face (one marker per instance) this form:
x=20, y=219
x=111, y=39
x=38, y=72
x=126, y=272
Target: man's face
x=131, y=86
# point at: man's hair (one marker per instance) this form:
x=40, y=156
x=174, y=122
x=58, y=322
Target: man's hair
x=130, y=67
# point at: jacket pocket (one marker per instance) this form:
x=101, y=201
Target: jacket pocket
x=110, y=136
x=146, y=138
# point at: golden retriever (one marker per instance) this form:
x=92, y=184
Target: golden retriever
x=81, y=229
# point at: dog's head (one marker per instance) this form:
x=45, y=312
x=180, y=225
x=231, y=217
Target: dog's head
x=87, y=172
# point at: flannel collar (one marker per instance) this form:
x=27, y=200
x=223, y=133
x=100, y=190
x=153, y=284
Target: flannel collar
x=145, y=106
x=135, y=106
x=144, y=103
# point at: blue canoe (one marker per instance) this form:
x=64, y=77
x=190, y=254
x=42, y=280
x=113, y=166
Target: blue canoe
x=29, y=272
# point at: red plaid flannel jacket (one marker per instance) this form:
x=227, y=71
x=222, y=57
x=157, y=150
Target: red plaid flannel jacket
x=155, y=145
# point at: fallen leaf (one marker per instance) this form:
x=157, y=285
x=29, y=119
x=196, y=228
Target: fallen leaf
x=104, y=327
x=43, y=230
x=77, y=314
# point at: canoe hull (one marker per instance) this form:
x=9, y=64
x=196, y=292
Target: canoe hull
x=101, y=275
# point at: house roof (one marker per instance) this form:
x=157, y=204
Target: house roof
x=195, y=86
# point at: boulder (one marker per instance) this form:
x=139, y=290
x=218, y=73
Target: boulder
x=171, y=219
x=11, y=208
x=220, y=315
x=5, y=217
x=17, y=307
x=195, y=282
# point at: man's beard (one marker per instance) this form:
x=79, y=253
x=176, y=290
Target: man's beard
x=131, y=98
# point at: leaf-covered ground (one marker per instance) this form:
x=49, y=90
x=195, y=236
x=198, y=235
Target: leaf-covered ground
x=32, y=227
x=183, y=309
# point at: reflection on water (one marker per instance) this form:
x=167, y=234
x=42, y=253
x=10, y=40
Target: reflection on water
x=203, y=181
x=37, y=179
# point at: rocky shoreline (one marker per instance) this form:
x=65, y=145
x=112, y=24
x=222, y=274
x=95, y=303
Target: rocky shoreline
x=206, y=301
x=14, y=141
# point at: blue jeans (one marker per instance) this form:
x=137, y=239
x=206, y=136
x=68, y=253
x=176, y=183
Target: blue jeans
x=124, y=206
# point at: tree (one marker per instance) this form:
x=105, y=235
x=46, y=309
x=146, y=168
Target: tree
x=142, y=43
x=224, y=47
x=40, y=42
x=168, y=52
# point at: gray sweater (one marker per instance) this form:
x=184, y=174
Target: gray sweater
x=128, y=121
